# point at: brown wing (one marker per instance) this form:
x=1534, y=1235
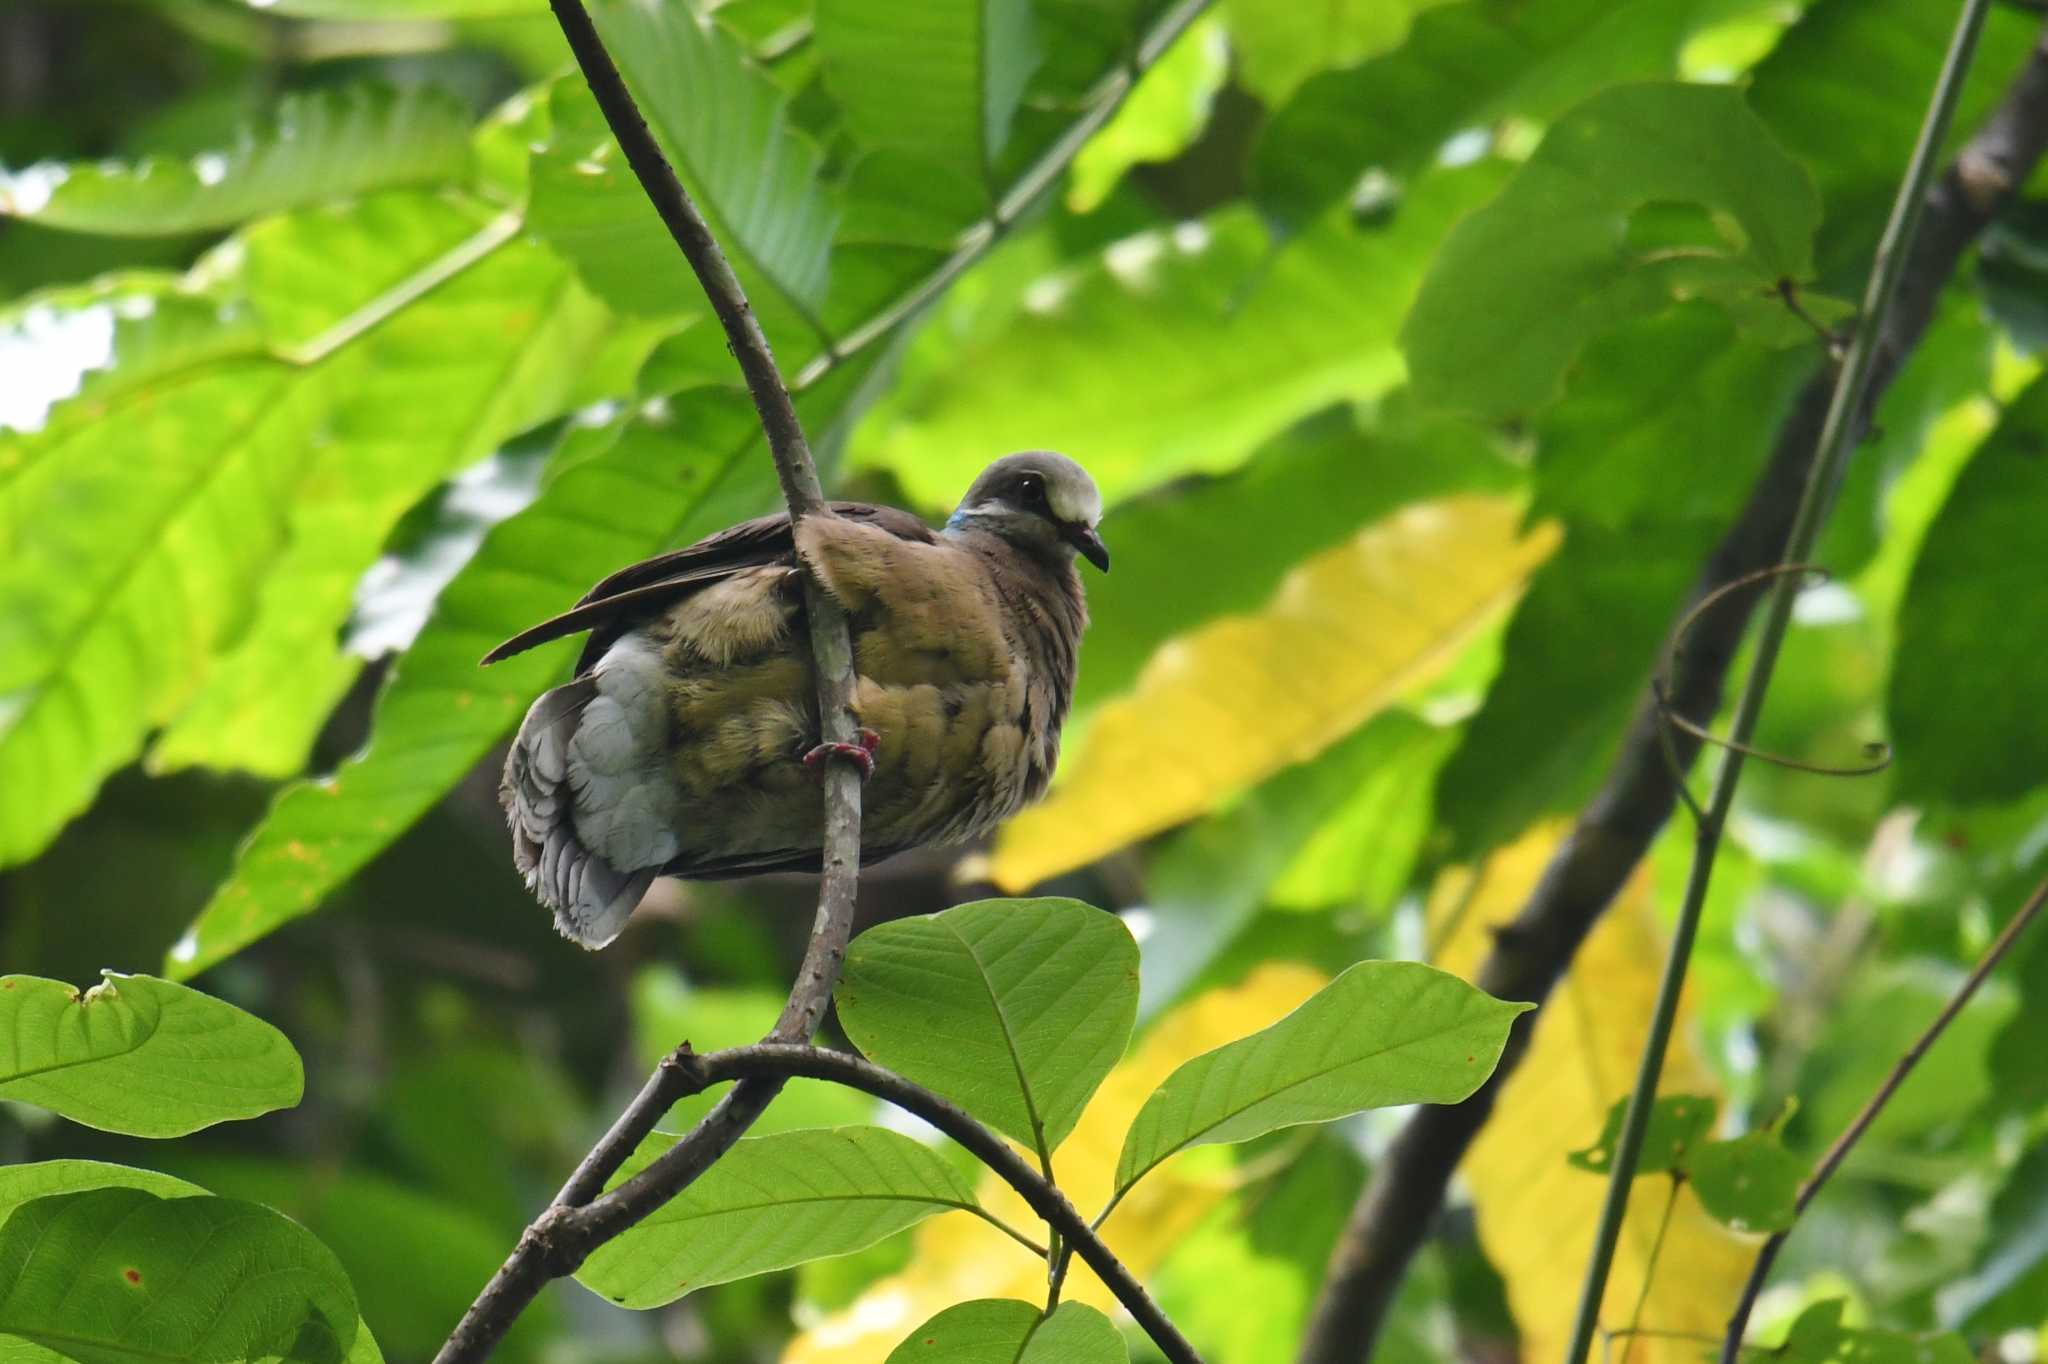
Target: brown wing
x=633, y=594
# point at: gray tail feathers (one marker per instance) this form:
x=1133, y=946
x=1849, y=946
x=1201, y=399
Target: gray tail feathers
x=590, y=897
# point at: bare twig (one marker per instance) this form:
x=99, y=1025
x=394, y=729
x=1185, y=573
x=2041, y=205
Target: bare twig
x=1738, y=1323
x=578, y=1219
x=1398, y=1208
x=781, y=1061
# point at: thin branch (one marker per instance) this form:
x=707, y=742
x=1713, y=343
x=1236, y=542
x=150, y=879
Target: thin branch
x=1840, y=432
x=783, y=1061
x=1738, y=1323
x=579, y=1219
x=1397, y=1210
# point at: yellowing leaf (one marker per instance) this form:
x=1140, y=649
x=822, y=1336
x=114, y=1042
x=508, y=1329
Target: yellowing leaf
x=1537, y=1214
x=959, y=1258
x=1231, y=703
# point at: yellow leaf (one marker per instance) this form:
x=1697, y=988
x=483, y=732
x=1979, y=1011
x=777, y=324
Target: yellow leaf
x=1231, y=703
x=1536, y=1214
x=959, y=1257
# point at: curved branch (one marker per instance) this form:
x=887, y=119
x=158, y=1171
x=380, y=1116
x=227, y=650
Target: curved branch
x=1395, y=1213
x=557, y=1241
x=1738, y=1323
x=783, y=1061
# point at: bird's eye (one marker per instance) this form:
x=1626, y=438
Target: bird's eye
x=1031, y=491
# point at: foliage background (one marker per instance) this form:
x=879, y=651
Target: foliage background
x=344, y=346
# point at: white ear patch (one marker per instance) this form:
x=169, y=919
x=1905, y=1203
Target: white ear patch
x=1075, y=500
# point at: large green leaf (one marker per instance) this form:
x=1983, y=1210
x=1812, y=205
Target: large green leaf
x=1005, y=1331
x=1642, y=194
x=726, y=127
x=938, y=79
x=121, y=1276
x=1463, y=66
x=315, y=146
x=1014, y=1009
x=139, y=1055
x=678, y=470
x=1382, y=1033
x=1967, y=688
x=1165, y=113
x=1177, y=352
x=773, y=1202
x=1279, y=46
x=489, y=353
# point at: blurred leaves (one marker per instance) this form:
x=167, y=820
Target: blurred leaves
x=331, y=144
x=139, y=1055
x=1224, y=707
x=1641, y=195
x=1005, y=1331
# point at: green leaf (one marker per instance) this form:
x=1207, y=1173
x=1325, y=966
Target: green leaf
x=1818, y=1337
x=21, y=1184
x=771, y=1203
x=752, y=172
x=1967, y=691
x=1642, y=194
x=120, y=1276
x=1005, y=1331
x=1381, y=1033
x=1750, y=1183
x=938, y=79
x=482, y=356
x=139, y=1055
x=1014, y=1009
x=403, y=9
x=1462, y=67
x=1678, y=1126
x=1176, y=352
x=315, y=146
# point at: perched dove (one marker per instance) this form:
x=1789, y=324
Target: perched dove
x=687, y=743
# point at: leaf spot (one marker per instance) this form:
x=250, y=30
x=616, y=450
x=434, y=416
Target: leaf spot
x=132, y=1275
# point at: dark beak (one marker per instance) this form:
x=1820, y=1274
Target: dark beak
x=1084, y=539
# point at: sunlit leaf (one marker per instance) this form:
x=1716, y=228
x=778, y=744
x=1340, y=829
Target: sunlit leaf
x=1005, y=1331
x=120, y=1276
x=939, y=79
x=315, y=146
x=1819, y=1337
x=1382, y=1033
x=21, y=1184
x=1014, y=1009
x=1536, y=1214
x=773, y=1202
x=139, y=1055
x=1177, y=351
x=1279, y=46
x=1641, y=195
x=959, y=1258
x=1677, y=1129
x=1227, y=705
x=1165, y=113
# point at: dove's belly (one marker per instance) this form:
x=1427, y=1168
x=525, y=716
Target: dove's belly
x=709, y=711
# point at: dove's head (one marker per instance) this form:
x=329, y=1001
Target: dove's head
x=1040, y=502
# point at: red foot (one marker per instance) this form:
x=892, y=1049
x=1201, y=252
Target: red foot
x=862, y=753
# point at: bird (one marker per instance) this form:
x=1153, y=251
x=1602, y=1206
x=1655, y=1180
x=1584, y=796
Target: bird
x=687, y=743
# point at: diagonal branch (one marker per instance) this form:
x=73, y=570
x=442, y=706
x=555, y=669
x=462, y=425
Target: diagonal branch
x=1738, y=1324
x=1398, y=1208
x=557, y=1241
x=781, y=1061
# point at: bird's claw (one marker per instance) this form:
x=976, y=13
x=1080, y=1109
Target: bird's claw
x=862, y=753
